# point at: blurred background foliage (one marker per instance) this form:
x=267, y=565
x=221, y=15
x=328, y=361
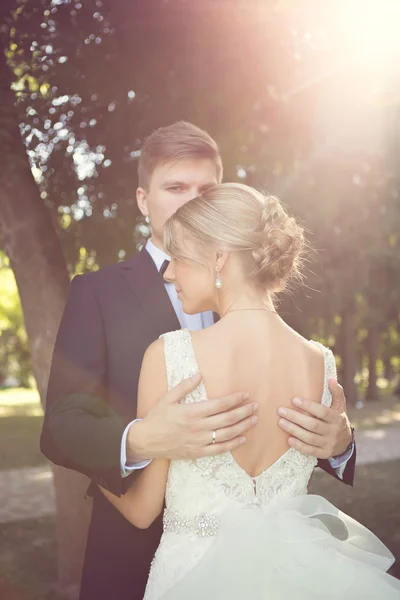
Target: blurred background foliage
x=303, y=99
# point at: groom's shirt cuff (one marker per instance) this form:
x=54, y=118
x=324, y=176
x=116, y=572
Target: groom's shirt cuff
x=340, y=462
x=127, y=469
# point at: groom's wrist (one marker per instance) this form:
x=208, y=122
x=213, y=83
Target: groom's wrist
x=348, y=448
x=136, y=442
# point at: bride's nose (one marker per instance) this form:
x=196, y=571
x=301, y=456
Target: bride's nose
x=169, y=274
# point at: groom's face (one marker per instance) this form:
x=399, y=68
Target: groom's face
x=171, y=185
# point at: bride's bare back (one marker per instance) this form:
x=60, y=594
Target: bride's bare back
x=259, y=353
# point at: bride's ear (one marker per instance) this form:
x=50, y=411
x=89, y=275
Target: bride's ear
x=221, y=258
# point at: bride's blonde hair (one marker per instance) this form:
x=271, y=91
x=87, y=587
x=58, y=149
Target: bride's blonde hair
x=235, y=217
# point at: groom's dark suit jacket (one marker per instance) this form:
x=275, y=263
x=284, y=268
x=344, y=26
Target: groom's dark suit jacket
x=111, y=317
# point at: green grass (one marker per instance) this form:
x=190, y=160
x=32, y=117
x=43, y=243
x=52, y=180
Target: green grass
x=15, y=397
x=21, y=418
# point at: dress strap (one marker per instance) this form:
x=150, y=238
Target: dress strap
x=330, y=371
x=180, y=362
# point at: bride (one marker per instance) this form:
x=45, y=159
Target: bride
x=240, y=525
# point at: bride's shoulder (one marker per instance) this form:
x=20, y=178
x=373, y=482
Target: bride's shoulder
x=153, y=381
x=321, y=349
x=310, y=347
x=154, y=353
x=329, y=359
x=209, y=339
x=176, y=344
x=315, y=350
x=173, y=337
x=162, y=347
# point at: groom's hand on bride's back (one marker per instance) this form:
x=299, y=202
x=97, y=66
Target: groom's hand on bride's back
x=174, y=430
x=318, y=430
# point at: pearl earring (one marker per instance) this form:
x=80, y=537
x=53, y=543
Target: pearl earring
x=218, y=280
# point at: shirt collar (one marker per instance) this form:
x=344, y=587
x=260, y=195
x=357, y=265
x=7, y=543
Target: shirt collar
x=156, y=254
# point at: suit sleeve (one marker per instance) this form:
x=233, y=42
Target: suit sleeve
x=80, y=430
x=348, y=473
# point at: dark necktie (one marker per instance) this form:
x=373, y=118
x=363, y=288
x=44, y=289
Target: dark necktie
x=164, y=267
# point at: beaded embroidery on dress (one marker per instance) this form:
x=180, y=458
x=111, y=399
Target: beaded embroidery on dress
x=201, y=493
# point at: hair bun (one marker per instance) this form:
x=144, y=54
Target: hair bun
x=277, y=258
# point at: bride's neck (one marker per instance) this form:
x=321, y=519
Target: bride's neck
x=246, y=298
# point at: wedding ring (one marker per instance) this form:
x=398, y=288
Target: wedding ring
x=214, y=433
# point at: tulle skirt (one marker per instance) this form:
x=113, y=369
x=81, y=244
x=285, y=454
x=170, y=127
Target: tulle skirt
x=303, y=549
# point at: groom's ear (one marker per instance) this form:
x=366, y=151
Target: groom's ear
x=141, y=199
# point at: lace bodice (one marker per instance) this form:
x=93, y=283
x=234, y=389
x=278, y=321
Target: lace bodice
x=200, y=491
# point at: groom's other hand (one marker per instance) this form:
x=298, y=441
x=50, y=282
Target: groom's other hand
x=174, y=430
x=317, y=430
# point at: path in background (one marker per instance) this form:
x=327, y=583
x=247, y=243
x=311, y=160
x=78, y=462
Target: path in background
x=26, y=493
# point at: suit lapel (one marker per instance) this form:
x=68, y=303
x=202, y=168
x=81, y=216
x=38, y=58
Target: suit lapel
x=148, y=287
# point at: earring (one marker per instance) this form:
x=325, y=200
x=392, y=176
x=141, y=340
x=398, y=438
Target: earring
x=218, y=280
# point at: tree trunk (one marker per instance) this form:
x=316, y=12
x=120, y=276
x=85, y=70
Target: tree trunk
x=348, y=353
x=388, y=368
x=29, y=239
x=372, y=352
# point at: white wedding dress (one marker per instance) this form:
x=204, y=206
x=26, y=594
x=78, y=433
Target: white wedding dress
x=229, y=536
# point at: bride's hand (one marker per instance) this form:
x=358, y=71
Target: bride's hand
x=318, y=430
x=173, y=430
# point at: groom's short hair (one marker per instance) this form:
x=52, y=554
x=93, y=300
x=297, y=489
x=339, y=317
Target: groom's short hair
x=175, y=142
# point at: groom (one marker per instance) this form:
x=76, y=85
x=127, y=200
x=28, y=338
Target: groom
x=111, y=317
